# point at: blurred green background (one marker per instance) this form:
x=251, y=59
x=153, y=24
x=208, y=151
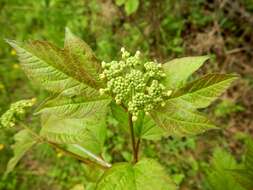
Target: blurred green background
x=161, y=30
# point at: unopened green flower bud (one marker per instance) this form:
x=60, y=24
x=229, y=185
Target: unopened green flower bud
x=169, y=92
x=134, y=118
x=163, y=104
x=102, y=91
x=118, y=101
x=147, y=113
x=103, y=64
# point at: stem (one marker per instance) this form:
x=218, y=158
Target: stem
x=137, y=147
x=130, y=123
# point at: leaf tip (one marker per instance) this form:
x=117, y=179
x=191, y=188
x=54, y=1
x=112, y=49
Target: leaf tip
x=68, y=33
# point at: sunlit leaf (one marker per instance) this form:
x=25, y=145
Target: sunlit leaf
x=51, y=67
x=179, y=70
x=201, y=92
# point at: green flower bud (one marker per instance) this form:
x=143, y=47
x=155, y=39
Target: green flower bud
x=101, y=91
x=134, y=118
x=103, y=64
x=135, y=83
x=163, y=104
x=169, y=92
x=102, y=76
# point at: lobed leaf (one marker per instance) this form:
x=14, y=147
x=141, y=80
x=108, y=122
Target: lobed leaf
x=44, y=64
x=85, y=59
x=179, y=70
x=146, y=174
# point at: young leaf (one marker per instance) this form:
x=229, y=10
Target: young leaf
x=85, y=59
x=244, y=176
x=146, y=174
x=180, y=69
x=23, y=142
x=179, y=119
x=119, y=114
x=50, y=67
x=202, y=92
x=219, y=175
x=87, y=132
x=144, y=127
x=131, y=6
x=76, y=107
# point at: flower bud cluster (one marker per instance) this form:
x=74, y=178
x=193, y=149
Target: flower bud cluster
x=17, y=109
x=134, y=83
x=154, y=69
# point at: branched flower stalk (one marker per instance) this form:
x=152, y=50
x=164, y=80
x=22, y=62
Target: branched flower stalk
x=136, y=85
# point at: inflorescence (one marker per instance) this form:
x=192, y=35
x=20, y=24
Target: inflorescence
x=17, y=109
x=135, y=83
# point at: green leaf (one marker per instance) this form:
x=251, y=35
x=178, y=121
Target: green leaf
x=88, y=132
x=119, y=114
x=23, y=142
x=146, y=174
x=179, y=119
x=219, y=175
x=52, y=68
x=244, y=176
x=75, y=107
x=179, y=70
x=131, y=6
x=202, y=92
x=249, y=156
x=78, y=187
x=119, y=2
x=144, y=127
x=85, y=59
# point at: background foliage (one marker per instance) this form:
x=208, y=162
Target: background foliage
x=161, y=29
